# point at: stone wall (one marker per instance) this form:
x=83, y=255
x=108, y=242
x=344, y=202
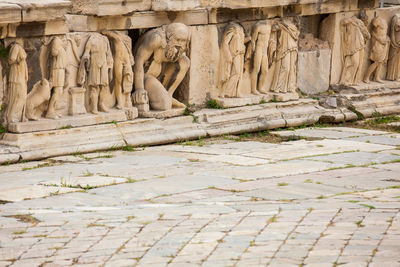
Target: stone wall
x=154, y=58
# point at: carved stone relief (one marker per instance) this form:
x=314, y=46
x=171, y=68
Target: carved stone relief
x=393, y=71
x=231, y=63
x=57, y=66
x=285, y=38
x=161, y=64
x=261, y=55
x=123, y=73
x=379, y=49
x=95, y=70
x=17, y=84
x=354, y=37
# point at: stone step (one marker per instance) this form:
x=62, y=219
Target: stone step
x=152, y=131
x=385, y=102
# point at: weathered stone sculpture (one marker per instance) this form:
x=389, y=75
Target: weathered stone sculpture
x=354, y=36
x=379, y=49
x=39, y=94
x=231, y=64
x=260, y=40
x=393, y=71
x=97, y=61
x=17, y=84
x=58, y=64
x=123, y=74
x=286, y=35
x=165, y=46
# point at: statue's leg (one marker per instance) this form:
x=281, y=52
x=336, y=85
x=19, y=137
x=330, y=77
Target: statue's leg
x=256, y=70
x=292, y=79
x=51, y=111
x=345, y=71
x=94, y=99
x=102, y=96
x=377, y=72
x=170, y=69
x=159, y=99
x=283, y=79
x=263, y=77
x=369, y=72
x=359, y=62
x=117, y=84
x=184, y=64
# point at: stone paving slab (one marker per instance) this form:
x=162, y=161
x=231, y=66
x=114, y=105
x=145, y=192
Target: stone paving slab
x=337, y=203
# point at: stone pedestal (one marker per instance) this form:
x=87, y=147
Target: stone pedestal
x=162, y=114
x=243, y=101
x=70, y=121
x=284, y=97
x=76, y=101
x=142, y=107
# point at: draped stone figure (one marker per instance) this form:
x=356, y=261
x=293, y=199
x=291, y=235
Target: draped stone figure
x=354, y=36
x=123, y=73
x=260, y=39
x=379, y=49
x=17, y=84
x=231, y=64
x=286, y=35
x=162, y=52
x=58, y=64
x=393, y=70
x=97, y=61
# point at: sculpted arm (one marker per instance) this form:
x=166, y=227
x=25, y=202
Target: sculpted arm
x=143, y=54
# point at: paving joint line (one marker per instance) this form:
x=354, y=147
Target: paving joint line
x=225, y=235
x=287, y=236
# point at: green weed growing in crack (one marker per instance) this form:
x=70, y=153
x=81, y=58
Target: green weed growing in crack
x=87, y=173
x=359, y=224
x=368, y=206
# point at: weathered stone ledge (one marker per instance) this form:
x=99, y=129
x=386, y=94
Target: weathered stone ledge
x=151, y=131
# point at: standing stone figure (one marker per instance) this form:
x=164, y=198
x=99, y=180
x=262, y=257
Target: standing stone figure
x=58, y=64
x=231, y=60
x=123, y=73
x=379, y=49
x=98, y=62
x=260, y=39
x=162, y=48
x=354, y=38
x=17, y=84
x=285, y=75
x=393, y=71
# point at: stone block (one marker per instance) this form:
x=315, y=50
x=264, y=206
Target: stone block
x=204, y=56
x=10, y=13
x=175, y=5
x=237, y=4
x=67, y=122
x=243, y=101
x=137, y=20
x=43, y=10
x=162, y=114
x=76, y=101
x=284, y=97
x=109, y=7
x=314, y=71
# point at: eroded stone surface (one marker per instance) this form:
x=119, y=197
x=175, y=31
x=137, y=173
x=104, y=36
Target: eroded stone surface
x=197, y=209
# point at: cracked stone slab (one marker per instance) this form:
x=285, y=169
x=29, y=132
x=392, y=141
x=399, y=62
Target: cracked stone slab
x=319, y=133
